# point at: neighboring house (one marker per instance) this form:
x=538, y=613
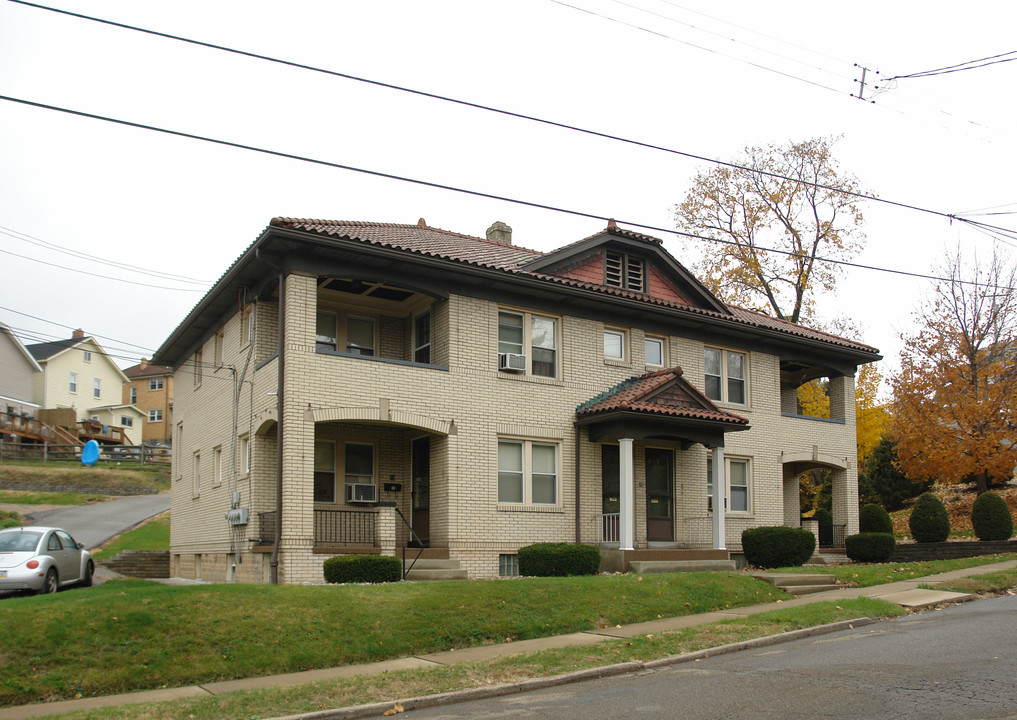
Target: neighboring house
x=77, y=374
x=354, y=374
x=17, y=371
x=150, y=388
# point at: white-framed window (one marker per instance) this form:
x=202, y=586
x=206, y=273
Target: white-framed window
x=726, y=373
x=625, y=271
x=72, y=382
x=220, y=337
x=155, y=384
x=533, y=336
x=615, y=342
x=196, y=479
x=245, y=454
x=527, y=472
x=127, y=422
x=654, y=351
x=96, y=388
x=217, y=466
x=324, y=471
x=134, y=395
x=198, y=359
x=358, y=337
x=736, y=497
x=422, y=338
x=88, y=356
x=155, y=415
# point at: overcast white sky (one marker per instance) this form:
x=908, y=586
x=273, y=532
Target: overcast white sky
x=706, y=78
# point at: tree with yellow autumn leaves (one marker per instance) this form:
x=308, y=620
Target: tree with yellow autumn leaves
x=955, y=397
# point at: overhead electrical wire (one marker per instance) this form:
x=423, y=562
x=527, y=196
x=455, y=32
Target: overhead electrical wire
x=18, y=235
x=104, y=277
x=960, y=67
x=478, y=193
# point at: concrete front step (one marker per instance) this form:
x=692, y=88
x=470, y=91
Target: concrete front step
x=434, y=569
x=799, y=583
x=669, y=566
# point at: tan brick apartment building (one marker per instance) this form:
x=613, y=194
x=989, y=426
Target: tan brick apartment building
x=343, y=376
x=150, y=388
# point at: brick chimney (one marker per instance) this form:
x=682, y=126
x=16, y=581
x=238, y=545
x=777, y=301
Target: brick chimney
x=78, y=334
x=500, y=233
x=144, y=363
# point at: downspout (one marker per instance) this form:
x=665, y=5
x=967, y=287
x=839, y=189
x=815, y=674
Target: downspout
x=575, y=427
x=274, y=562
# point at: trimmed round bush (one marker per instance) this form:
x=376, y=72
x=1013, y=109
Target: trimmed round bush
x=558, y=560
x=780, y=546
x=991, y=518
x=362, y=569
x=870, y=547
x=873, y=518
x=929, y=521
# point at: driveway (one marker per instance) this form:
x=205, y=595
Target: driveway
x=92, y=525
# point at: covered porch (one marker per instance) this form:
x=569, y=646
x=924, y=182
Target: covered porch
x=646, y=427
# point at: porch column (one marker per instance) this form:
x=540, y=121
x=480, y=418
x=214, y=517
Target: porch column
x=719, y=480
x=626, y=496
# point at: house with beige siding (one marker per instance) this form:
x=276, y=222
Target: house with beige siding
x=356, y=387
x=78, y=375
x=18, y=370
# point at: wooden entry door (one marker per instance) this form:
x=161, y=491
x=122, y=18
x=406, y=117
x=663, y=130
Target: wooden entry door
x=659, y=495
x=420, y=489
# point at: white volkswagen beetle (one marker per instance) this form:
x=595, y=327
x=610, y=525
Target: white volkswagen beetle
x=42, y=560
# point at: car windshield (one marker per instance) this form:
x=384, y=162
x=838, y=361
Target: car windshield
x=19, y=541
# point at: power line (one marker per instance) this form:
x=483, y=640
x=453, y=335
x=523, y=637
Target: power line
x=69, y=327
x=104, y=277
x=960, y=67
x=491, y=196
x=18, y=235
x=456, y=101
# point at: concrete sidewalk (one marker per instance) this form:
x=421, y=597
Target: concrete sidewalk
x=905, y=593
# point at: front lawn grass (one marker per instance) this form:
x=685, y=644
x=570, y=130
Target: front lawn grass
x=153, y=534
x=130, y=634
x=868, y=574
x=27, y=497
x=395, y=685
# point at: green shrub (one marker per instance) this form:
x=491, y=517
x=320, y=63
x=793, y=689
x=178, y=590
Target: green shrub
x=558, y=559
x=991, y=518
x=778, y=546
x=9, y=519
x=929, y=521
x=881, y=482
x=872, y=547
x=873, y=518
x=362, y=569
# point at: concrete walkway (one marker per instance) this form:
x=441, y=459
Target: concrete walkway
x=904, y=593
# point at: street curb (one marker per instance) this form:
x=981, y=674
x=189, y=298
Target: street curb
x=458, y=696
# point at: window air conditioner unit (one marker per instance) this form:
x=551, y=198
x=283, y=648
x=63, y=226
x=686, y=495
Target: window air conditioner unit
x=361, y=493
x=513, y=362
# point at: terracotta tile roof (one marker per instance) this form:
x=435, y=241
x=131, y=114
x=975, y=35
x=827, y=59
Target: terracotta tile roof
x=662, y=392
x=420, y=239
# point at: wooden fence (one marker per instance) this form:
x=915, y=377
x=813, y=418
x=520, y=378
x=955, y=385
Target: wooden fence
x=46, y=452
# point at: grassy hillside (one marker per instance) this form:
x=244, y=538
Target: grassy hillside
x=109, y=474
x=958, y=500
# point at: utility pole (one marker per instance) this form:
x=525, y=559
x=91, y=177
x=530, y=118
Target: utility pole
x=861, y=83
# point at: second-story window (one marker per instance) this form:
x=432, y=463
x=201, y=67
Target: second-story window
x=725, y=375
x=134, y=395
x=155, y=384
x=654, y=347
x=422, y=338
x=97, y=388
x=359, y=335
x=614, y=344
x=535, y=337
x=72, y=383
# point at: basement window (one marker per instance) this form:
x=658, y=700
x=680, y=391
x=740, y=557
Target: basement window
x=508, y=565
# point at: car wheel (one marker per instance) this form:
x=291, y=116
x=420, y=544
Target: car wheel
x=89, y=571
x=51, y=583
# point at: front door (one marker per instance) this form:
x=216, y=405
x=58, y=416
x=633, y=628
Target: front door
x=659, y=495
x=421, y=489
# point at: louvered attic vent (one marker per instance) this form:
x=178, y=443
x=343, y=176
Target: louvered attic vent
x=624, y=271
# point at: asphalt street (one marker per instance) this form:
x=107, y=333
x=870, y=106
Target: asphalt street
x=92, y=525
x=954, y=664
